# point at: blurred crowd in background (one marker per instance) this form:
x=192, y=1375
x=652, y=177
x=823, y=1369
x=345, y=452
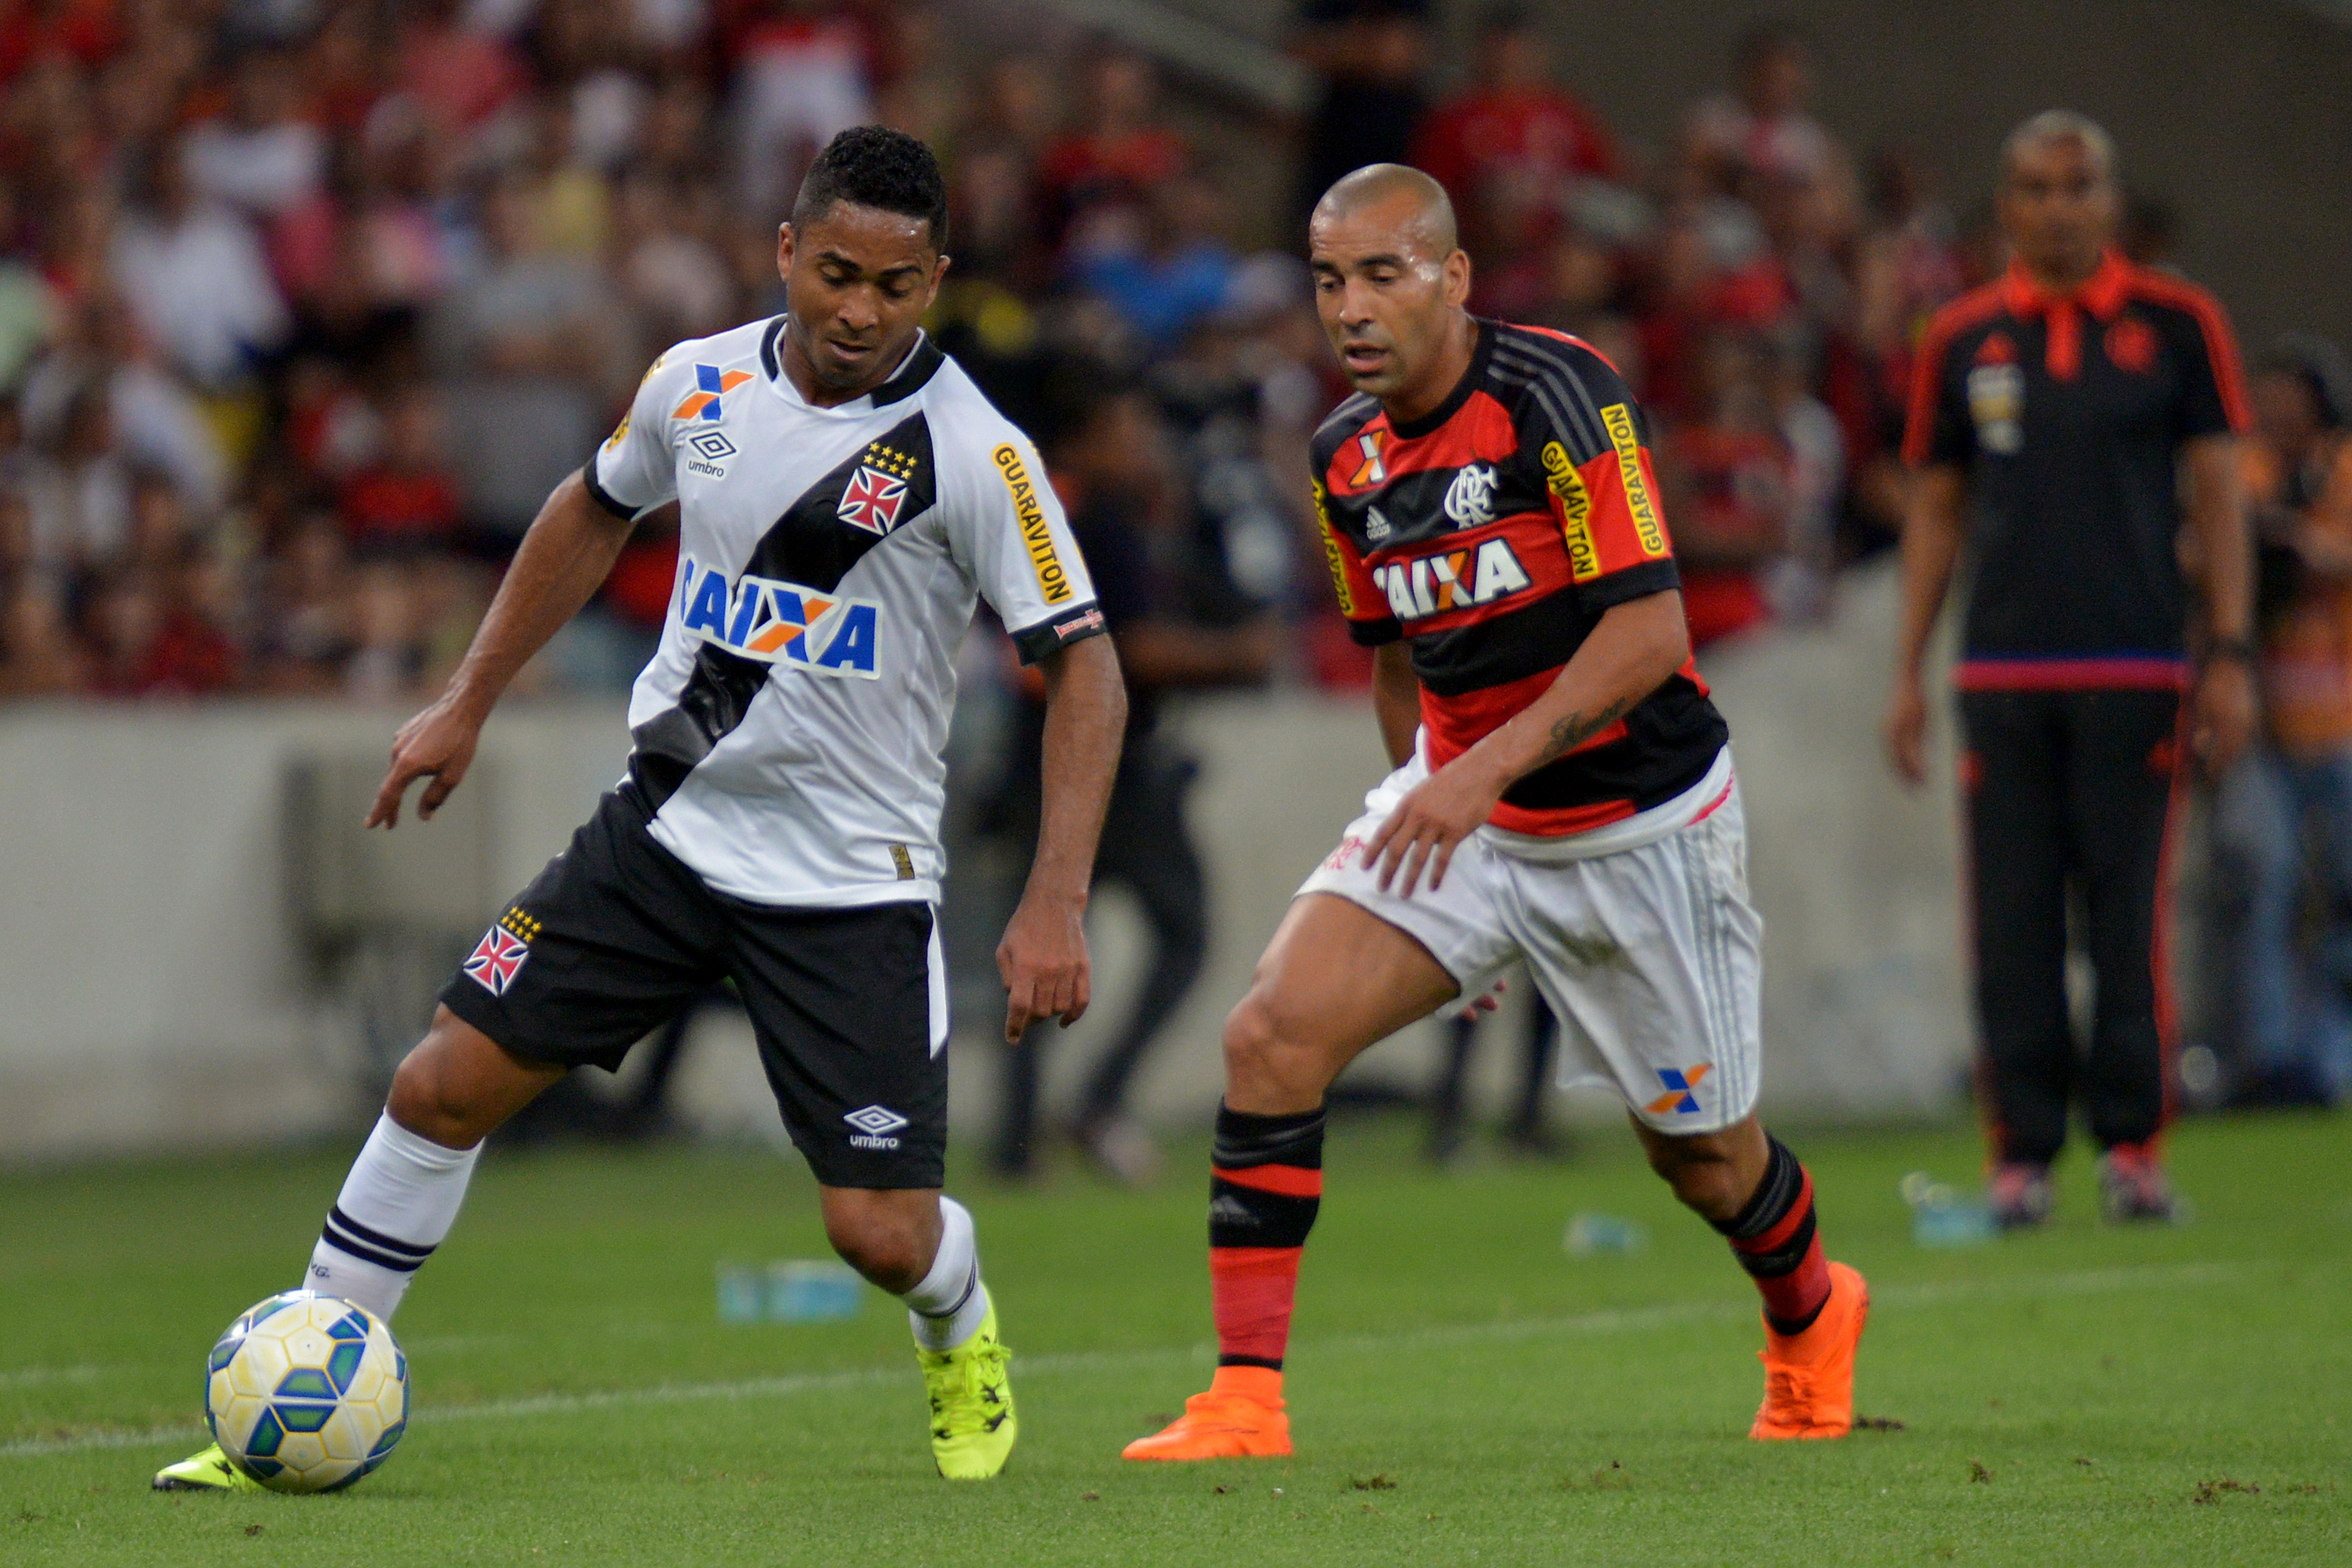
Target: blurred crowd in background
x=305, y=305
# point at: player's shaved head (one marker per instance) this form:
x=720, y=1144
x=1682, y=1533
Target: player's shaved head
x=1390, y=284
x=1415, y=207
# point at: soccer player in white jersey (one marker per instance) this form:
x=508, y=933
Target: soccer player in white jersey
x=846, y=495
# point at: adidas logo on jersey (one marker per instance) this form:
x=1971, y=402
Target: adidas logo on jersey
x=1457, y=580
x=780, y=622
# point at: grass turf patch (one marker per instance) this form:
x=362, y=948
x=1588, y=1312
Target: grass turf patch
x=1462, y=1390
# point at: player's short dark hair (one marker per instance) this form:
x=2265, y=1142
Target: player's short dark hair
x=874, y=166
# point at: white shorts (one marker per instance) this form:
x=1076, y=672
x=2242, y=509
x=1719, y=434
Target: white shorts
x=1649, y=952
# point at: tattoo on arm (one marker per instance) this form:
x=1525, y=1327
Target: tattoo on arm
x=1577, y=729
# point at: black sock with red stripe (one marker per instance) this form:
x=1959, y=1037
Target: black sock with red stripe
x=1774, y=1239
x=1265, y=1183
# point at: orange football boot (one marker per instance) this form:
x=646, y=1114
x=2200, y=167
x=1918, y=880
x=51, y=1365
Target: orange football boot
x=1240, y=1417
x=1809, y=1376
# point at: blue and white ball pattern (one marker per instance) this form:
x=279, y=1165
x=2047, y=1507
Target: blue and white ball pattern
x=306, y=1392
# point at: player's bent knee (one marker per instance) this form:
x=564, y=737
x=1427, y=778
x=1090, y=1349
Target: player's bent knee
x=888, y=1254
x=888, y=1237
x=457, y=1085
x=1259, y=1051
x=1703, y=1172
x=1711, y=1189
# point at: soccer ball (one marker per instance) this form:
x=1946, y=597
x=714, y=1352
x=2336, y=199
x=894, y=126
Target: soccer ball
x=306, y=1392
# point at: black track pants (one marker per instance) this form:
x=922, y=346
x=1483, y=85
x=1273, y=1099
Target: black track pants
x=2069, y=788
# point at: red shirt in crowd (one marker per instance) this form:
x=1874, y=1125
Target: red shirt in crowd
x=84, y=31
x=187, y=659
x=1740, y=482
x=1078, y=172
x=389, y=507
x=1546, y=130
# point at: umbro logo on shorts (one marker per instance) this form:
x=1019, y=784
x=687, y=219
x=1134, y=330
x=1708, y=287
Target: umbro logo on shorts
x=874, y=1124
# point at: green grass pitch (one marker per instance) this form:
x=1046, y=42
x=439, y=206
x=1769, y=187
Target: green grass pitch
x=1463, y=1391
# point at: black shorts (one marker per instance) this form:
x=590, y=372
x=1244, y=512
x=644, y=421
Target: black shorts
x=617, y=934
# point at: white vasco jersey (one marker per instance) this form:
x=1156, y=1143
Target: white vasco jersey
x=789, y=732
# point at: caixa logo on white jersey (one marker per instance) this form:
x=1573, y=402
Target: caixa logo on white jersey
x=780, y=622
x=1457, y=579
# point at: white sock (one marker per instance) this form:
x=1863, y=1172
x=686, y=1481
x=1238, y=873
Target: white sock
x=397, y=1204
x=947, y=1308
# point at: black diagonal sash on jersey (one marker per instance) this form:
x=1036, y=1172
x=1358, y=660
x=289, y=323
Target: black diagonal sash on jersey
x=810, y=545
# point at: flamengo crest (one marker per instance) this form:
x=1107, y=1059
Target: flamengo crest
x=1470, y=499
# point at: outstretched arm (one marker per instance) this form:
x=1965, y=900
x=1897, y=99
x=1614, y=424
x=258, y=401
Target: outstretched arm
x=1042, y=957
x=564, y=558
x=1933, y=525
x=1631, y=652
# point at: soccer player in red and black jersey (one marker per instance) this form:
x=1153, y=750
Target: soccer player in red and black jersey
x=1563, y=796
x=2054, y=415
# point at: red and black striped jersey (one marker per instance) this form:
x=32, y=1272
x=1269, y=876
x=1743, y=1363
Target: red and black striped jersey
x=1494, y=533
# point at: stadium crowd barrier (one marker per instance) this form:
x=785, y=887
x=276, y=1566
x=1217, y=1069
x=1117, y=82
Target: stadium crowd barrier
x=179, y=971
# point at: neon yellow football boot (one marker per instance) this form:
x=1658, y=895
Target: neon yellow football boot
x=972, y=1423
x=207, y=1472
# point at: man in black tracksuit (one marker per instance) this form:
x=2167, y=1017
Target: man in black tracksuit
x=2055, y=415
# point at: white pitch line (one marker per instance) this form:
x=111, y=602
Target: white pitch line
x=34, y=1376
x=1614, y=1321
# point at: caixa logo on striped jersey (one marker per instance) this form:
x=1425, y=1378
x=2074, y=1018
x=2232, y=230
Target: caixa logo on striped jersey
x=780, y=622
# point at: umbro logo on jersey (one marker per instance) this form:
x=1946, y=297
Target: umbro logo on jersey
x=780, y=622
x=711, y=447
x=874, y=1124
x=1457, y=580
x=1470, y=499
x=710, y=384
